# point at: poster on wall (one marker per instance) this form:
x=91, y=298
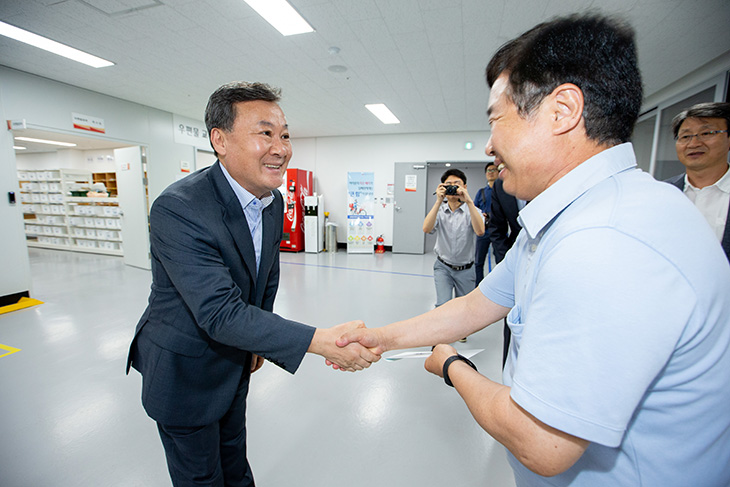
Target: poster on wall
x=360, y=212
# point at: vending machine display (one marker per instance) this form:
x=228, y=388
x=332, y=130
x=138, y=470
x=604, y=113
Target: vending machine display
x=298, y=184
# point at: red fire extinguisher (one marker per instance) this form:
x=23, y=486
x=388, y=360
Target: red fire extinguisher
x=380, y=247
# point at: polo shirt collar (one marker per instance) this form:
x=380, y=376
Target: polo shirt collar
x=548, y=204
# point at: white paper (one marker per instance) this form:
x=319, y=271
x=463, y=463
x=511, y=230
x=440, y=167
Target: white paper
x=426, y=353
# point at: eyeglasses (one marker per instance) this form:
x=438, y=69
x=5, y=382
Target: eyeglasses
x=491, y=170
x=702, y=136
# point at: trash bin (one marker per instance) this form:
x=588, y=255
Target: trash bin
x=330, y=237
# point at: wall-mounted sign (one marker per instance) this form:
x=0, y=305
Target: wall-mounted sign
x=16, y=124
x=190, y=132
x=411, y=182
x=86, y=122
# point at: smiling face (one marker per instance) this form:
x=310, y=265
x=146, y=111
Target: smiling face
x=257, y=150
x=703, y=155
x=518, y=144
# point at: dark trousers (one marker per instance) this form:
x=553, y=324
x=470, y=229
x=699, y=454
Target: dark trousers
x=480, y=257
x=213, y=455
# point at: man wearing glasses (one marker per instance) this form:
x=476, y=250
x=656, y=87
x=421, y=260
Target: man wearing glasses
x=703, y=143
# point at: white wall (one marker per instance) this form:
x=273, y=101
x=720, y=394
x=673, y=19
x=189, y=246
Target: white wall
x=13, y=254
x=331, y=158
x=91, y=160
x=48, y=105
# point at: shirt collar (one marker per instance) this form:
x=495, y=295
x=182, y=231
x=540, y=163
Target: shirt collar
x=448, y=208
x=548, y=204
x=244, y=197
x=723, y=184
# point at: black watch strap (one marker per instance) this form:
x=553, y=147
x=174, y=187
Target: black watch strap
x=449, y=361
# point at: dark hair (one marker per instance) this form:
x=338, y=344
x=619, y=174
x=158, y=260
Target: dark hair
x=702, y=110
x=454, y=172
x=487, y=166
x=595, y=53
x=221, y=112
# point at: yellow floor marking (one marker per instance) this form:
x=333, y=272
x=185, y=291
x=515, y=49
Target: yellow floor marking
x=11, y=350
x=23, y=303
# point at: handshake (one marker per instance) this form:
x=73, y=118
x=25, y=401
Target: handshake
x=349, y=347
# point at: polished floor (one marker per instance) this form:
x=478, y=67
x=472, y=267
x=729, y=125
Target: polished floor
x=72, y=418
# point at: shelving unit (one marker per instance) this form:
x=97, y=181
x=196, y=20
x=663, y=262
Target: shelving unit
x=56, y=220
x=109, y=179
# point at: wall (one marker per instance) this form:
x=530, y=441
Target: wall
x=91, y=160
x=48, y=105
x=13, y=254
x=331, y=158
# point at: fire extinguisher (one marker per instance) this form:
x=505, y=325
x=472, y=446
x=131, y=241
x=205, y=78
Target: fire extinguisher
x=380, y=247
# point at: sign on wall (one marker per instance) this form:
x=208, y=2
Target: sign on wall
x=88, y=123
x=190, y=132
x=360, y=209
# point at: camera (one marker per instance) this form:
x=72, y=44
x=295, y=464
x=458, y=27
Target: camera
x=451, y=189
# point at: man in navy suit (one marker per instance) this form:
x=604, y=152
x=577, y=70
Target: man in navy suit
x=215, y=272
x=503, y=230
x=703, y=143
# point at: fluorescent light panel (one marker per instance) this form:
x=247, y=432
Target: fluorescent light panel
x=281, y=16
x=383, y=113
x=17, y=147
x=52, y=46
x=44, y=141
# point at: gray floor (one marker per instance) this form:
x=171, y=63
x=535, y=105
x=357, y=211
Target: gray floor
x=70, y=417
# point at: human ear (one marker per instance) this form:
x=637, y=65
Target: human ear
x=567, y=108
x=218, y=141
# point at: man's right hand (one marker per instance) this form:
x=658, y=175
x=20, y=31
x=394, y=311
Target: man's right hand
x=346, y=357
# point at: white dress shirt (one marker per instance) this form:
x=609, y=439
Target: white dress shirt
x=712, y=201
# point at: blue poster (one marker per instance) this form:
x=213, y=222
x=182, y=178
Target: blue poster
x=360, y=208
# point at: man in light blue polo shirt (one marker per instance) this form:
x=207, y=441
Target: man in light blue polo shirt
x=618, y=292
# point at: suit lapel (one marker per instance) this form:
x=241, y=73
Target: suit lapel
x=234, y=219
x=270, y=241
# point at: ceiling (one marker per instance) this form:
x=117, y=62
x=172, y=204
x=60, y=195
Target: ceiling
x=82, y=142
x=425, y=59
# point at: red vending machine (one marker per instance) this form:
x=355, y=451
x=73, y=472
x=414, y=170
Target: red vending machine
x=298, y=184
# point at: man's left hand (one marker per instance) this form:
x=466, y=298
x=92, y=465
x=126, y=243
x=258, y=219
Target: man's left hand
x=256, y=362
x=435, y=362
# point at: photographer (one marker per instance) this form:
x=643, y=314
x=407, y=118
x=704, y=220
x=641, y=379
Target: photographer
x=456, y=221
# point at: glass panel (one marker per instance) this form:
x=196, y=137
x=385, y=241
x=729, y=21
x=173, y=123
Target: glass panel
x=641, y=139
x=667, y=163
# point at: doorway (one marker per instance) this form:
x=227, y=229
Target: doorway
x=71, y=195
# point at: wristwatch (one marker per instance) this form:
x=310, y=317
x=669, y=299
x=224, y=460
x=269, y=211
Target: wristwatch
x=449, y=361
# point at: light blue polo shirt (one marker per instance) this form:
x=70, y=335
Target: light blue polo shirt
x=620, y=321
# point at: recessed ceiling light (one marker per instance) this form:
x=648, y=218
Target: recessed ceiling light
x=383, y=113
x=52, y=46
x=281, y=16
x=337, y=68
x=44, y=141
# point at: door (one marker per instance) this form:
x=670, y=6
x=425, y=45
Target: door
x=409, y=207
x=131, y=184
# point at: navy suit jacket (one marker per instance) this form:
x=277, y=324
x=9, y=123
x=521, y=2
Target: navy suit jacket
x=208, y=308
x=678, y=181
x=503, y=224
